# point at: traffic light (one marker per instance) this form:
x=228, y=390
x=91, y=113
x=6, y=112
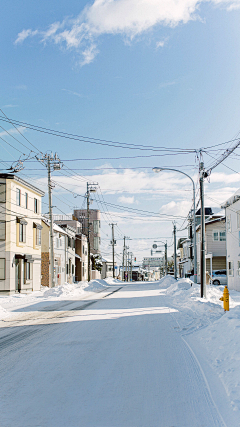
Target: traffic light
x=135, y=259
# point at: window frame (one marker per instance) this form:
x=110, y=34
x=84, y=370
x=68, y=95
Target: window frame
x=230, y=268
x=4, y=239
x=22, y=233
x=3, y=268
x=26, y=200
x=3, y=199
x=18, y=197
x=36, y=205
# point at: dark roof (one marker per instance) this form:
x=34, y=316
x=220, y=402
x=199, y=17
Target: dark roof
x=208, y=211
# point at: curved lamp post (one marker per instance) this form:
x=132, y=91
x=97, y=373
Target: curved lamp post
x=194, y=214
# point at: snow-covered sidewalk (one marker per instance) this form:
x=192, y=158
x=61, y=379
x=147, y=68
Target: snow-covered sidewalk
x=75, y=291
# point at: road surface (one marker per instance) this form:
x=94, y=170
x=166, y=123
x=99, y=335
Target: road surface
x=115, y=359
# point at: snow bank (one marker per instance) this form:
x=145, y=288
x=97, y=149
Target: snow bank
x=3, y=313
x=166, y=281
x=222, y=343
x=216, y=332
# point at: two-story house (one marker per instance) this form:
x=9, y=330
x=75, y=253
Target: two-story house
x=215, y=237
x=232, y=211
x=20, y=235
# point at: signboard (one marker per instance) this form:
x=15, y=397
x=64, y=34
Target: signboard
x=154, y=246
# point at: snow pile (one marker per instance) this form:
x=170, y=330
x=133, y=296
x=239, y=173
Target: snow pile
x=3, y=313
x=217, y=333
x=75, y=289
x=166, y=281
x=67, y=289
x=96, y=285
x=222, y=343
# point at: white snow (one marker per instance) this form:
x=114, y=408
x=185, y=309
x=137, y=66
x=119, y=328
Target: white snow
x=8, y=304
x=132, y=351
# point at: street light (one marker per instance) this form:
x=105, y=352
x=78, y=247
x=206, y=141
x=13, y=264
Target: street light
x=194, y=214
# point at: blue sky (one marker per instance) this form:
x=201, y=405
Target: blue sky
x=161, y=73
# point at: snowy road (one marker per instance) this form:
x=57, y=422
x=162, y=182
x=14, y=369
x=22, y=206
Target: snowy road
x=113, y=359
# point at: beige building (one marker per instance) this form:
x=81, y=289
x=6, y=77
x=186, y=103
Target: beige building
x=95, y=225
x=20, y=235
x=215, y=245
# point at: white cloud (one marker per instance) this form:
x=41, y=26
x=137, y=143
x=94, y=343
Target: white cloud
x=13, y=131
x=24, y=34
x=128, y=200
x=128, y=18
x=73, y=93
x=176, y=208
x=89, y=54
x=10, y=106
x=160, y=44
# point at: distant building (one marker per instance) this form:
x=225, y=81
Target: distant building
x=20, y=235
x=95, y=225
x=107, y=268
x=153, y=262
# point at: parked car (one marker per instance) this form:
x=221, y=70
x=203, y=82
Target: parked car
x=219, y=277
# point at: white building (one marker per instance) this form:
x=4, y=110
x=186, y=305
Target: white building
x=232, y=210
x=20, y=235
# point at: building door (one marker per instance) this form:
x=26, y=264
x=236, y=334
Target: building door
x=17, y=275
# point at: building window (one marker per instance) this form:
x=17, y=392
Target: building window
x=96, y=226
x=95, y=243
x=22, y=233
x=66, y=268
x=2, y=268
x=69, y=242
x=36, y=205
x=83, y=249
x=230, y=268
x=222, y=236
x=2, y=192
x=26, y=200
x=219, y=236
x=73, y=243
x=38, y=236
x=238, y=270
x=2, y=230
x=18, y=195
x=72, y=269
x=229, y=225
x=27, y=271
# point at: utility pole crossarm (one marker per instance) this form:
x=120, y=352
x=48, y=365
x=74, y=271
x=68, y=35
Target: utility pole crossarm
x=223, y=157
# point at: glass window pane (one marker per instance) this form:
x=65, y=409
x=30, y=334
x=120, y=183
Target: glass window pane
x=2, y=230
x=222, y=236
x=18, y=195
x=2, y=268
x=2, y=193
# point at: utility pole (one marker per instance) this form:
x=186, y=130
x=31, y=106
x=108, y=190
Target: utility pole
x=128, y=266
x=51, y=222
x=113, y=244
x=175, y=251
x=203, y=257
x=90, y=189
x=166, y=266
x=131, y=266
x=52, y=162
x=124, y=245
x=124, y=256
